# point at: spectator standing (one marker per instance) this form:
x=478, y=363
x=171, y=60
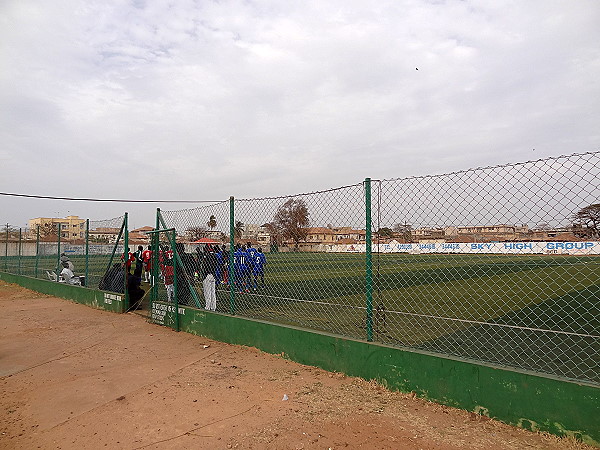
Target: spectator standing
x=185, y=275
x=251, y=251
x=136, y=293
x=199, y=262
x=225, y=265
x=139, y=261
x=130, y=259
x=240, y=266
x=209, y=268
x=219, y=269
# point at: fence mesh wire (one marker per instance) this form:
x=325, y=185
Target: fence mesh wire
x=38, y=252
x=490, y=277
x=493, y=264
x=498, y=265
x=103, y=239
x=304, y=284
x=195, y=229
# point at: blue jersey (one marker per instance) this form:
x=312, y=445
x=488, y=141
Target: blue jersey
x=240, y=259
x=259, y=261
x=251, y=255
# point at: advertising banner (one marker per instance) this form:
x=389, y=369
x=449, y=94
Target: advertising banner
x=542, y=248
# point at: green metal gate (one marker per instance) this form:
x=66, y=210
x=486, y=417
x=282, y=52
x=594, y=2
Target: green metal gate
x=173, y=280
x=164, y=306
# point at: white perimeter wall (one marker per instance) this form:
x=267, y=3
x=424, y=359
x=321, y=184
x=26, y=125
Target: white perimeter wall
x=544, y=248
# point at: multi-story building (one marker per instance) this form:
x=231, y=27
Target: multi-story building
x=256, y=234
x=71, y=227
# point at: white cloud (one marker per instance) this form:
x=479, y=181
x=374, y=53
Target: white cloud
x=285, y=97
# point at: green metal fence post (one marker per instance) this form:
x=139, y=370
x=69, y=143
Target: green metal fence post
x=368, y=260
x=231, y=250
x=87, y=250
x=126, y=259
x=6, y=250
x=154, y=258
x=37, y=251
x=114, y=250
x=20, y=250
x=58, y=270
x=173, y=242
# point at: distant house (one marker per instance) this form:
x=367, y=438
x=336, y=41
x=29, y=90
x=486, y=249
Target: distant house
x=321, y=238
x=554, y=235
x=349, y=235
x=428, y=233
x=104, y=234
x=145, y=229
x=319, y=235
x=258, y=235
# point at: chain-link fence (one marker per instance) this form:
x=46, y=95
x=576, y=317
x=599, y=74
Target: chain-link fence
x=90, y=249
x=196, y=230
x=104, y=253
x=505, y=269
x=497, y=264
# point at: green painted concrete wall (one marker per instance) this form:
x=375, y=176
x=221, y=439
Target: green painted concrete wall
x=526, y=400
x=523, y=399
x=108, y=301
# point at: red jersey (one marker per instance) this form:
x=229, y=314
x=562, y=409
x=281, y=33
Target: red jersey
x=169, y=274
x=130, y=260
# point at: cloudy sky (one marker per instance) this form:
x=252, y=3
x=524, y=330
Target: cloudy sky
x=200, y=100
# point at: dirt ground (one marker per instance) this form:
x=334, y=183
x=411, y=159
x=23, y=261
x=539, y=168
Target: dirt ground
x=72, y=377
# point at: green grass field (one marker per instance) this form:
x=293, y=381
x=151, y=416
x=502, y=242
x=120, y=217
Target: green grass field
x=538, y=312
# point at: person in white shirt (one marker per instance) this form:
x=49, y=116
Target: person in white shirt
x=67, y=274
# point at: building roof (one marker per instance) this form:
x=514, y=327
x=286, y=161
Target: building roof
x=143, y=229
x=205, y=240
x=319, y=230
x=105, y=230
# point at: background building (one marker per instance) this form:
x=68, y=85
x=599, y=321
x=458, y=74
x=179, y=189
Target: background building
x=71, y=227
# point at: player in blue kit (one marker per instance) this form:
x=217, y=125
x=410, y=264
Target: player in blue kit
x=258, y=267
x=240, y=266
x=251, y=251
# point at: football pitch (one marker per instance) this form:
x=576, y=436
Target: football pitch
x=537, y=312
x=475, y=288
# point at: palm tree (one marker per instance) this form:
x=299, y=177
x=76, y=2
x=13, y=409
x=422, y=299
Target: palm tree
x=238, y=229
x=212, y=222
